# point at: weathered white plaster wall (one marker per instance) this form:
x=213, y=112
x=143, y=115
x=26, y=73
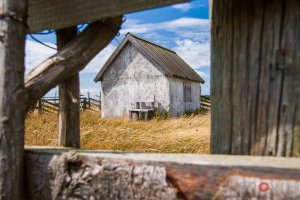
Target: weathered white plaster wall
x=178, y=106
x=132, y=78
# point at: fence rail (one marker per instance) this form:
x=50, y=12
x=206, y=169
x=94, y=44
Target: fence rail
x=51, y=104
x=205, y=102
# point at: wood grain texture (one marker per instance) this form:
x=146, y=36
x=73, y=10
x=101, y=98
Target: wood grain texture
x=12, y=112
x=69, y=99
x=255, y=77
x=221, y=74
x=70, y=59
x=290, y=45
x=80, y=177
x=273, y=40
x=57, y=14
x=61, y=174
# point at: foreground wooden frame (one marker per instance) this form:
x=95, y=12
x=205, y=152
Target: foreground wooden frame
x=270, y=130
x=55, y=173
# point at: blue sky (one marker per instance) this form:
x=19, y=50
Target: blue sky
x=182, y=27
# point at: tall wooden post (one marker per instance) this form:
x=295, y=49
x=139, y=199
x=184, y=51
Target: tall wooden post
x=89, y=99
x=12, y=106
x=69, y=113
x=256, y=77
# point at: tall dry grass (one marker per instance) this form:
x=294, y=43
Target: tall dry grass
x=187, y=134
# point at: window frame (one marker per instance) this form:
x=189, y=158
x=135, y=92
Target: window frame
x=187, y=91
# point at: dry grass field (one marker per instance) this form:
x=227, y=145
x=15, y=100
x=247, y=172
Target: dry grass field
x=187, y=134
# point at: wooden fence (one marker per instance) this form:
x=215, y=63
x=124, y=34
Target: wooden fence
x=205, y=102
x=51, y=104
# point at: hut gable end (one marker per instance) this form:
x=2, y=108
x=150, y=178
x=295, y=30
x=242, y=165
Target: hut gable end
x=161, y=57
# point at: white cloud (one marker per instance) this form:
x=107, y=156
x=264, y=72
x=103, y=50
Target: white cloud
x=96, y=64
x=37, y=53
x=183, y=7
x=202, y=74
x=195, y=53
x=186, y=22
x=178, y=26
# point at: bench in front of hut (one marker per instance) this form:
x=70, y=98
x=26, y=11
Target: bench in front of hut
x=142, y=108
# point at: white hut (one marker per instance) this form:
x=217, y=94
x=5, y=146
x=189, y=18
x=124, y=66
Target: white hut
x=142, y=71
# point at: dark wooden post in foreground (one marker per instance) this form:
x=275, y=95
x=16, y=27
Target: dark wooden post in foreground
x=69, y=113
x=12, y=106
x=256, y=77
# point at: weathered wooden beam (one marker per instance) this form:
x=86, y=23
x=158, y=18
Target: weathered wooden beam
x=53, y=173
x=255, y=77
x=69, y=113
x=48, y=14
x=71, y=58
x=12, y=113
x=69, y=99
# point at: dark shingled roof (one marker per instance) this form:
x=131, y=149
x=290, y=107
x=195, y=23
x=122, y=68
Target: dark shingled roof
x=167, y=59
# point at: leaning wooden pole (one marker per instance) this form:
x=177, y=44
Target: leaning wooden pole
x=12, y=108
x=69, y=99
x=256, y=77
x=69, y=60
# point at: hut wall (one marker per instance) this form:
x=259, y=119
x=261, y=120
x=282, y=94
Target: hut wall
x=178, y=105
x=132, y=78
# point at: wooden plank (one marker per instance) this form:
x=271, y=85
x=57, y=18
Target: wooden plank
x=296, y=70
x=120, y=175
x=256, y=24
x=239, y=68
x=69, y=99
x=290, y=88
x=255, y=76
x=12, y=105
x=205, y=103
x=222, y=43
x=48, y=14
x=275, y=19
x=70, y=59
x=269, y=78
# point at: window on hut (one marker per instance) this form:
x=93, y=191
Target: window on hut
x=187, y=92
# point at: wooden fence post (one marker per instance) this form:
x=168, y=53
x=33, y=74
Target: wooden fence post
x=55, y=96
x=40, y=106
x=12, y=105
x=69, y=113
x=89, y=100
x=256, y=77
x=84, y=104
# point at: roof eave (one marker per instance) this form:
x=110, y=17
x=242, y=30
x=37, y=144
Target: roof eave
x=189, y=79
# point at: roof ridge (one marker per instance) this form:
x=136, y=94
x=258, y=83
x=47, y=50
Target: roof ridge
x=148, y=41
